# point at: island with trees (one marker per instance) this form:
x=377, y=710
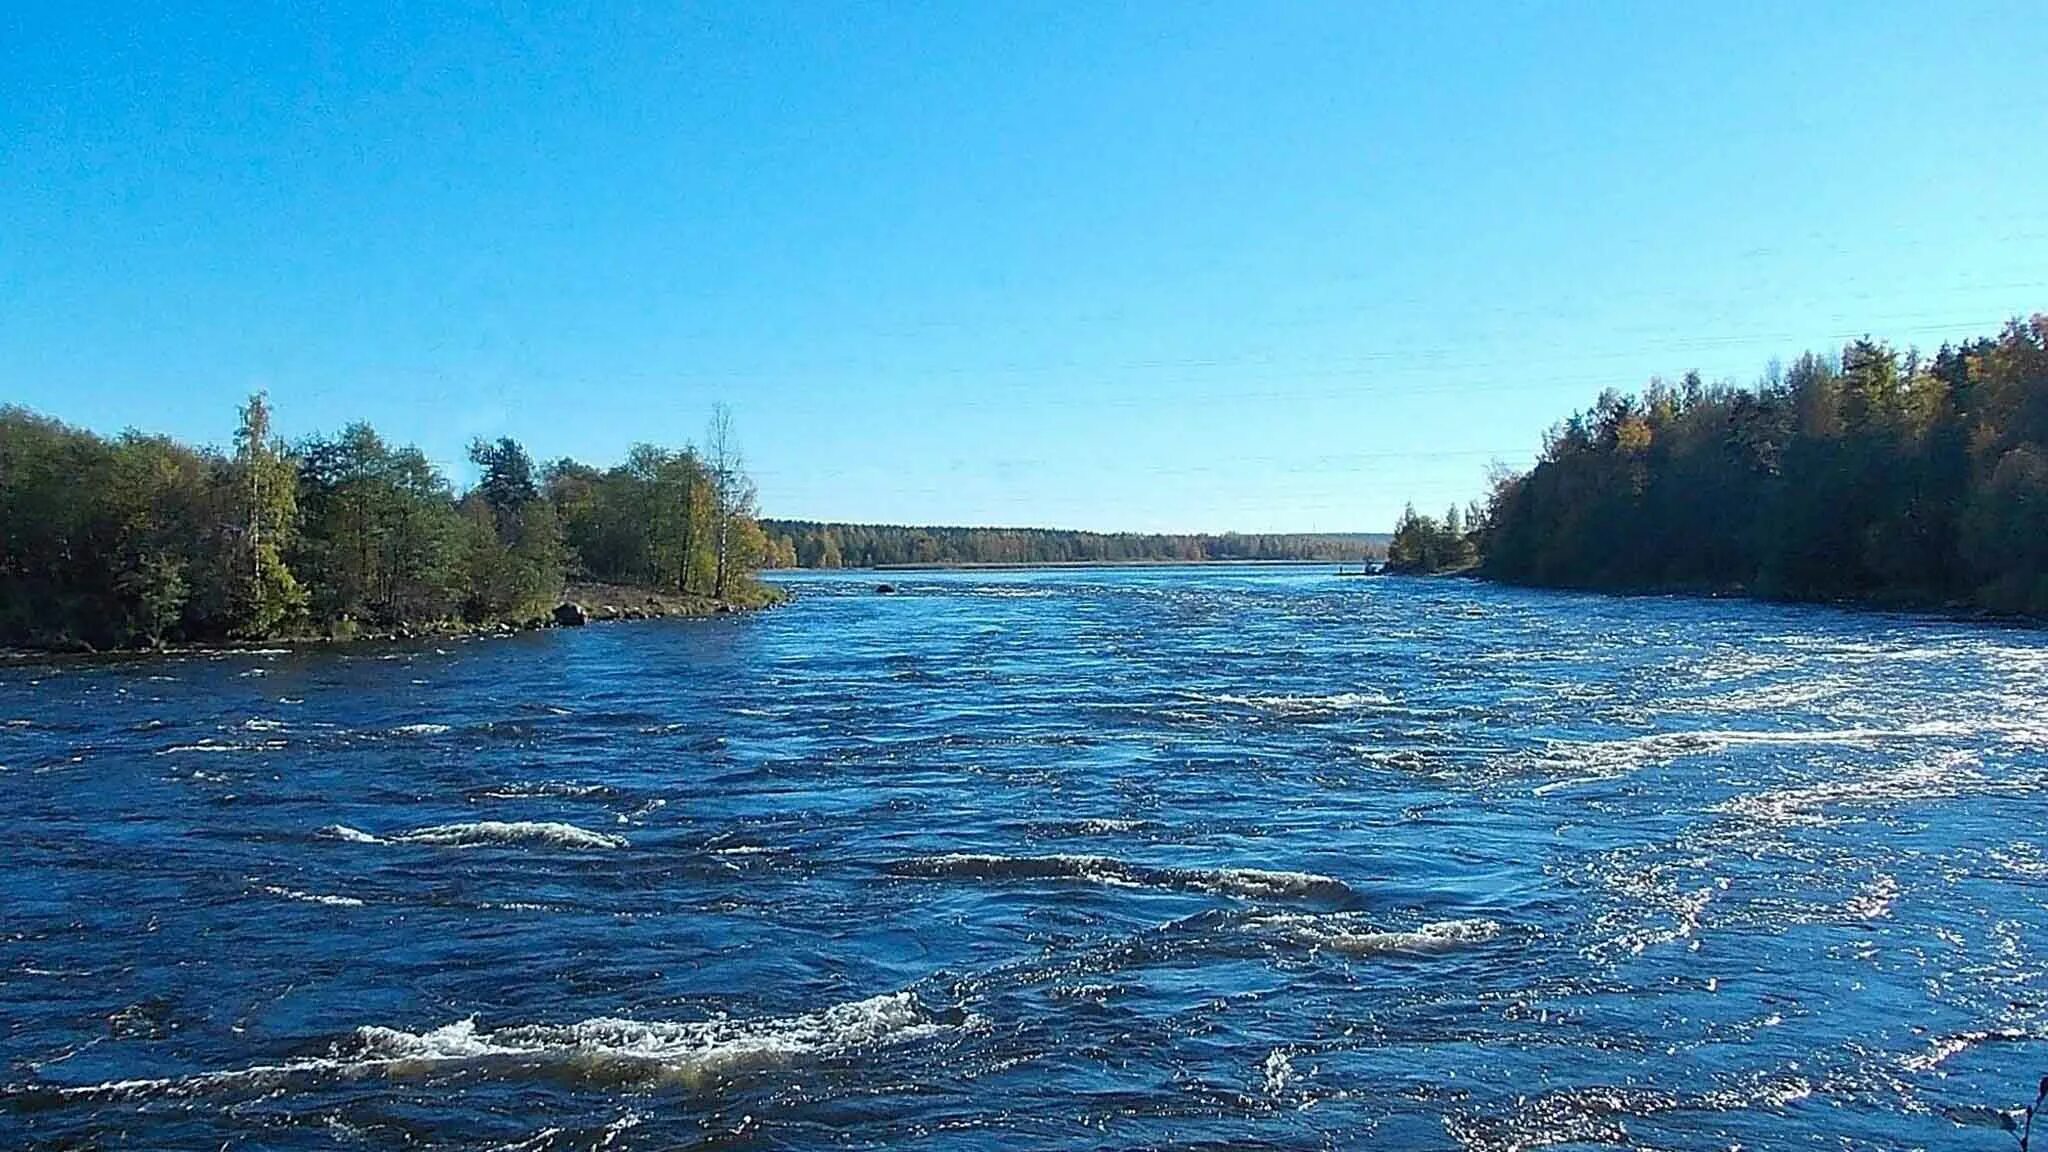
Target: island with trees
x=1871, y=476
x=138, y=540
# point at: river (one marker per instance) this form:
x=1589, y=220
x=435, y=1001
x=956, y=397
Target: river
x=1226, y=857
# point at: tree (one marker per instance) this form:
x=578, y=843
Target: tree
x=378, y=531
x=507, y=484
x=731, y=492
x=141, y=540
x=1872, y=476
x=266, y=595
x=1423, y=544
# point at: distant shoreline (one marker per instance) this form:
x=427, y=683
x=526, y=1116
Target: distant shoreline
x=987, y=565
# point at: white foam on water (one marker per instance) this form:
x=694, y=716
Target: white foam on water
x=1351, y=934
x=546, y=788
x=1106, y=826
x=602, y=1051
x=1251, y=883
x=1298, y=705
x=1279, y=1070
x=1594, y=760
x=313, y=897
x=420, y=730
x=1947, y=1047
x=487, y=832
x=352, y=835
x=985, y=866
x=218, y=747
x=1433, y=939
x=1258, y=882
x=1942, y=778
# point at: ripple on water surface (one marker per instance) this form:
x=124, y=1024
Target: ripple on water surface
x=1221, y=857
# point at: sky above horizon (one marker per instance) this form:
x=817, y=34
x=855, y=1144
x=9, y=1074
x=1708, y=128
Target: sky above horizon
x=1161, y=267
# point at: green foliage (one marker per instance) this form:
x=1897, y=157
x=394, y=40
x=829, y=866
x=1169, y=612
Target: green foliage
x=812, y=544
x=380, y=542
x=1870, y=476
x=1425, y=544
x=110, y=541
x=266, y=597
x=648, y=521
x=507, y=483
x=140, y=540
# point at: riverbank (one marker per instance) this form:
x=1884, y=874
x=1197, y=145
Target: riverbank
x=605, y=603
x=582, y=603
x=1959, y=611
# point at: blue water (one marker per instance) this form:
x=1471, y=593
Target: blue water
x=1120, y=859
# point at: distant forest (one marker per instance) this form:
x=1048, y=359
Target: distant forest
x=137, y=540
x=1872, y=475
x=810, y=544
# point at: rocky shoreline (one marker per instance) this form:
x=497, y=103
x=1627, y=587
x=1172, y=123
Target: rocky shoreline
x=581, y=604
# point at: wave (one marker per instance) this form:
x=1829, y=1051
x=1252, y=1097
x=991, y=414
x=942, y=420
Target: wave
x=605, y=1051
x=561, y=789
x=1087, y=826
x=1594, y=761
x=217, y=747
x=1097, y=826
x=352, y=835
x=1250, y=883
x=313, y=897
x=1432, y=939
x=1346, y=933
x=1298, y=705
x=1939, y=1052
x=487, y=832
x=1597, y=1115
x=1946, y=778
x=421, y=730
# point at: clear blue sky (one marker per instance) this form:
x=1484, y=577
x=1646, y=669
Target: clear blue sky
x=1155, y=266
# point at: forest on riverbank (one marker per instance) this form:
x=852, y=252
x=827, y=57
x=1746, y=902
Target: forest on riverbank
x=814, y=544
x=1872, y=475
x=138, y=540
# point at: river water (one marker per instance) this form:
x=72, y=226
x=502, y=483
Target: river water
x=1119, y=859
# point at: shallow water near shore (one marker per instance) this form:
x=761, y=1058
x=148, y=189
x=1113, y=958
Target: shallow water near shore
x=1021, y=859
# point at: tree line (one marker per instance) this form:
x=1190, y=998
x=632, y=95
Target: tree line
x=813, y=544
x=1869, y=475
x=1423, y=543
x=139, y=540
